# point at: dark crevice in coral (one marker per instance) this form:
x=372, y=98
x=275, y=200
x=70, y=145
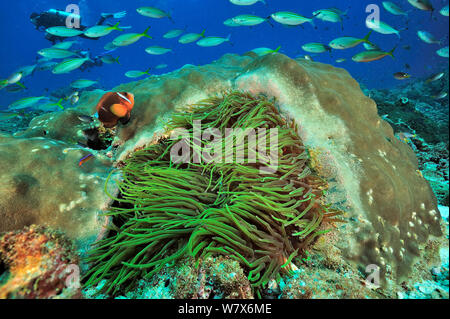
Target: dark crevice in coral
x=98, y=138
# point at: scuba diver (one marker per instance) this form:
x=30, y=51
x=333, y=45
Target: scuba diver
x=56, y=18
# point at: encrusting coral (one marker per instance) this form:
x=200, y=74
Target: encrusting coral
x=167, y=210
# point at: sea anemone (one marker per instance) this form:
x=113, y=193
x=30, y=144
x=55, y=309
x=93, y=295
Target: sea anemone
x=167, y=210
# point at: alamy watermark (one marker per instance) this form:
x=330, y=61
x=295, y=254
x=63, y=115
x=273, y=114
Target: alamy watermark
x=373, y=19
x=210, y=146
x=73, y=20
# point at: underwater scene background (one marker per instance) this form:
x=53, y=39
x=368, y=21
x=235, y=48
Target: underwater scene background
x=93, y=205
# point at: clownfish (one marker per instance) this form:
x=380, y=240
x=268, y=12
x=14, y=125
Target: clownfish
x=114, y=107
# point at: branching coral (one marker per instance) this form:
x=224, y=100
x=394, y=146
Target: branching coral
x=167, y=210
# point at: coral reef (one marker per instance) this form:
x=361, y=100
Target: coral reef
x=39, y=263
x=411, y=109
x=43, y=184
x=390, y=209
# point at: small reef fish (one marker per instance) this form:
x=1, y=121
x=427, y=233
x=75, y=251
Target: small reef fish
x=307, y=57
x=109, y=59
x=405, y=136
x=85, y=159
x=443, y=52
x=373, y=55
x=55, y=53
x=393, y=8
x=64, y=32
x=341, y=60
x=4, y=116
x=82, y=83
x=136, y=74
x=249, y=20
x=265, y=51
x=69, y=65
x=173, y=34
x=424, y=5
x=246, y=2
x=74, y=98
x=110, y=46
x=114, y=107
x=15, y=78
x=370, y=46
x=161, y=66
x=157, y=50
x=381, y=27
x=441, y=95
x=401, y=75
x=290, y=18
x=151, y=12
x=45, y=66
x=191, y=37
x=435, y=77
x=25, y=103
x=130, y=38
x=86, y=118
x=66, y=45
x=16, y=87
x=348, y=42
x=444, y=11
x=328, y=15
x=49, y=106
x=212, y=41
x=314, y=47
x=101, y=30
x=427, y=37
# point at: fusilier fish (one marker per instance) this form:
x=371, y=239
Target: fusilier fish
x=348, y=42
x=136, y=74
x=424, y=5
x=152, y=12
x=435, y=77
x=444, y=11
x=55, y=53
x=130, y=38
x=15, y=77
x=443, y=52
x=245, y=2
x=173, y=34
x=101, y=30
x=441, y=95
x=25, y=103
x=82, y=83
x=265, y=51
x=161, y=66
x=212, y=41
x=381, y=27
x=427, y=37
x=373, y=55
x=66, y=45
x=69, y=65
x=328, y=15
x=393, y=8
x=370, y=46
x=64, y=32
x=314, y=47
x=109, y=59
x=290, y=18
x=248, y=20
x=157, y=50
x=191, y=37
x=4, y=116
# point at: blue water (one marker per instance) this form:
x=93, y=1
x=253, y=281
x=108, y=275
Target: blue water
x=20, y=40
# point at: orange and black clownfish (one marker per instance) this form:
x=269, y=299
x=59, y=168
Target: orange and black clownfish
x=114, y=107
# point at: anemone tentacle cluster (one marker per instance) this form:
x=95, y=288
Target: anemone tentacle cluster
x=168, y=210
